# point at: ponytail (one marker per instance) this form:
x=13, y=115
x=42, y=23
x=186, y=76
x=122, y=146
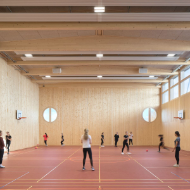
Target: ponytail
x=177, y=133
x=85, y=134
x=46, y=135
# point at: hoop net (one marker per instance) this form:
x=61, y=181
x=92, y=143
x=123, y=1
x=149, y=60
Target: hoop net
x=178, y=118
x=21, y=118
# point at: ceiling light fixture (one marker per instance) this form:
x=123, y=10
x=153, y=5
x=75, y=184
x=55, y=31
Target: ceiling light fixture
x=151, y=76
x=48, y=76
x=171, y=55
x=28, y=55
x=99, y=55
x=99, y=9
x=99, y=76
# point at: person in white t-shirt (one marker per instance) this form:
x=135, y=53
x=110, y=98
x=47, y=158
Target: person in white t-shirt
x=131, y=138
x=86, y=140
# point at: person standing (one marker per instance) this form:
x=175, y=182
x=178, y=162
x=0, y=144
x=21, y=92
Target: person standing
x=2, y=145
x=116, y=136
x=8, y=141
x=86, y=141
x=125, y=143
x=45, y=138
x=102, y=139
x=177, y=148
x=62, y=139
x=131, y=138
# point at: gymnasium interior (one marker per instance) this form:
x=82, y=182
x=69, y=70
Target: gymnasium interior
x=109, y=66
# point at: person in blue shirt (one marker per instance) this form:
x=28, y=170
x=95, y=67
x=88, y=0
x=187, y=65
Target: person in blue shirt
x=177, y=148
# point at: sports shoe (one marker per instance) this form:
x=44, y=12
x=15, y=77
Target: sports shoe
x=128, y=153
x=83, y=168
x=92, y=168
x=122, y=153
x=175, y=165
x=158, y=151
x=1, y=166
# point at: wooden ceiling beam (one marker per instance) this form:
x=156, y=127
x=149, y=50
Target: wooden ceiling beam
x=94, y=26
x=98, y=70
x=96, y=43
x=91, y=63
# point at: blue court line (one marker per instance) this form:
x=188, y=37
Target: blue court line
x=181, y=177
x=14, y=180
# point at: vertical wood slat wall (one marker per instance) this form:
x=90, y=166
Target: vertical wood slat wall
x=170, y=110
x=18, y=93
x=100, y=109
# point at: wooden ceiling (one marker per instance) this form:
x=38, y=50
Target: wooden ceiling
x=68, y=35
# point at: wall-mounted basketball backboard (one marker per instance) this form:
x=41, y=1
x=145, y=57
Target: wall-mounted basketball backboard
x=181, y=114
x=18, y=114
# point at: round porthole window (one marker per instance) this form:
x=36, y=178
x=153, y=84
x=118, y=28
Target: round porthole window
x=50, y=115
x=149, y=114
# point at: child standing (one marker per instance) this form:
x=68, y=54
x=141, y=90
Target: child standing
x=131, y=138
x=2, y=145
x=45, y=138
x=125, y=143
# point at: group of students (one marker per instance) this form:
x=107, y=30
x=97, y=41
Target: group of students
x=46, y=138
x=176, y=148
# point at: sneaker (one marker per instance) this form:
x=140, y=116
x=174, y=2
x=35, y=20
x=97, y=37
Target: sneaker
x=158, y=151
x=7, y=152
x=92, y=168
x=122, y=153
x=1, y=166
x=128, y=153
x=175, y=165
x=83, y=168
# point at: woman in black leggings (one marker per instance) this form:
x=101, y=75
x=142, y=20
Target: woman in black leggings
x=86, y=140
x=177, y=148
x=125, y=143
x=102, y=139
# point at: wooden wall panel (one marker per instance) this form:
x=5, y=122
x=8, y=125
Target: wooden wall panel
x=170, y=125
x=100, y=109
x=18, y=93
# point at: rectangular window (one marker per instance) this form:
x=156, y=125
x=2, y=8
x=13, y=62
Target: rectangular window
x=185, y=86
x=165, y=87
x=185, y=73
x=174, y=81
x=165, y=97
x=174, y=93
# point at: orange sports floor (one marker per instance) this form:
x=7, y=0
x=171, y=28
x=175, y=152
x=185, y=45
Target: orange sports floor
x=53, y=168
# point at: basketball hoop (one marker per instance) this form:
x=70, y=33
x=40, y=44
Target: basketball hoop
x=21, y=118
x=178, y=118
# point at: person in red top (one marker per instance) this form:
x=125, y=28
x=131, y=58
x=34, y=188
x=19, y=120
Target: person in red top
x=2, y=145
x=45, y=138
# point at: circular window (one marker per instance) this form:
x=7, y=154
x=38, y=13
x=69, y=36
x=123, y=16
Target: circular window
x=149, y=114
x=50, y=115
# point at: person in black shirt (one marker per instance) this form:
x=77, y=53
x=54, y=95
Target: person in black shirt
x=125, y=142
x=8, y=141
x=161, y=142
x=62, y=139
x=102, y=140
x=116, y=136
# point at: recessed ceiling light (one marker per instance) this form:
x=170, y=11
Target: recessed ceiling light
x=48, y=76
x=151, y=76
x=99, y=9
x=99, y=76
x=171, y=55
x=99, y=55
x=28, y=55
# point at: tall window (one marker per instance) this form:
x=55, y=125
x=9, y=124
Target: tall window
x=185, y=73
x=174, y=81
x=185, y=86
x=174, y=92
x=165, y=87
x=165, y=97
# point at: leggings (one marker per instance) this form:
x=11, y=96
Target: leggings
x=125, y=143
x=161, y=144
x=45, y=141
x=8, y=146
x=1, y=155
x=116, y=142
x=130, y=141
x=177, y=154
x=102, y=142
x=85, y=150
x=62, y=142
